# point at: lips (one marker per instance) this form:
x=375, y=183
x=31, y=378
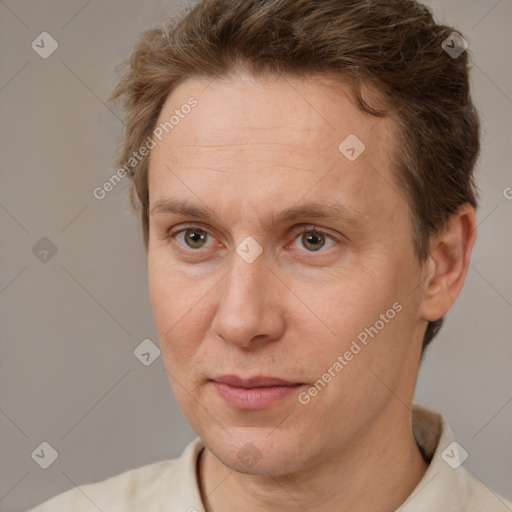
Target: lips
x=254, y=393
x=253, y=382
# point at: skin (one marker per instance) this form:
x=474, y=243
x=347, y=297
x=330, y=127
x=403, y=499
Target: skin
x=251, y=147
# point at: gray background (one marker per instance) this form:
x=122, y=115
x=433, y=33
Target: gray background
x=69, y=325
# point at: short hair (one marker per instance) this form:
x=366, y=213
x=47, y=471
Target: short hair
x=393, y=47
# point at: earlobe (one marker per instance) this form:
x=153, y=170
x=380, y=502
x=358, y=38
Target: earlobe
x=448, y=264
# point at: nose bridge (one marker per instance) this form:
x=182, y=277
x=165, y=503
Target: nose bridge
x=243, y=311
x=242, y=289
x=248, y=266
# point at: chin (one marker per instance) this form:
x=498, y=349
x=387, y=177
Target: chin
x=258, y=451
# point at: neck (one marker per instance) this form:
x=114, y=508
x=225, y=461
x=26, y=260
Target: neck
x=377, y=472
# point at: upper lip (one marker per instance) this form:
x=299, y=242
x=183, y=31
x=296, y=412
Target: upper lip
x=258, y=381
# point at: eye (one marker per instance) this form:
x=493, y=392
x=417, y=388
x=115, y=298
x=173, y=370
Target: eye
x=192, y=237
x=314, y=240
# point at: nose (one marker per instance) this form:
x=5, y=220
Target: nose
x=249, y=313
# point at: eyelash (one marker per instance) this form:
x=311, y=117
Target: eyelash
x=171, y=236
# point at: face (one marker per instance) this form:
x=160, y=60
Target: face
x=281, y=270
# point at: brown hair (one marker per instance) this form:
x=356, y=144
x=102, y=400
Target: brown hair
x=392, y=46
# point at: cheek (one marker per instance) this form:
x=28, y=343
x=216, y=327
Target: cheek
x=348, y=301
x=362, y=316
x=180, y=312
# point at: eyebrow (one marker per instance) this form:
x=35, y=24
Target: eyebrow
x=328, y=210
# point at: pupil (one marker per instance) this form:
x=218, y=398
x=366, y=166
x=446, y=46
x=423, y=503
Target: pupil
x=313, y=239
x=196, y=237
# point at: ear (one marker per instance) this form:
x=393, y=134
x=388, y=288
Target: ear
x=448, y=263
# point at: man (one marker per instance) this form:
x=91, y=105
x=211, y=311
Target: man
x=304, y=172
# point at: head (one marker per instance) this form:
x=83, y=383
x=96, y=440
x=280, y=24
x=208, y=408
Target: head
x=257, y=116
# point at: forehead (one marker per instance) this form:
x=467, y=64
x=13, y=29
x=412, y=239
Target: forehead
x=314, y=111
x=267, y=138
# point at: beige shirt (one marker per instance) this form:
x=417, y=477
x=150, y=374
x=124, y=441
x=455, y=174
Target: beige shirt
x=171, y=485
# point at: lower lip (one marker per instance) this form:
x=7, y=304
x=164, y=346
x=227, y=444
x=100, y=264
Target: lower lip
x=253, y=399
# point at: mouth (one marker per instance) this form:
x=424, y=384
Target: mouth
x=254, y=393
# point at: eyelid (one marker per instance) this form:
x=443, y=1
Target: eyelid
x=305, y=228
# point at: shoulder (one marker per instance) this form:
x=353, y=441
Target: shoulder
x=480, y=497
x=447, y=484
x=136, y=489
